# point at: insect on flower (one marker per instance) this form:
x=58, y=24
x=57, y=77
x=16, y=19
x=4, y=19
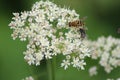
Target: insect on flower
x=79, y=24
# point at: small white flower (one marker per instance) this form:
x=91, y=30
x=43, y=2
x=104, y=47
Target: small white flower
x=108, y=68
x=20, y=23
x=51, y=17
x=75, y=62
x=93, y=71
x=29, y=78
x=85, y=50
x=24, y=15
x=65, y=64
x=61, y=22
x=12, y=25
x=82, y=64
x=39, y=56
x=110, y=79
x=40, y=17
x=30, y=59
x=16, y=16
x=48, y=55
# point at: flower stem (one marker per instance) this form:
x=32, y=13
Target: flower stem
x=51, y=68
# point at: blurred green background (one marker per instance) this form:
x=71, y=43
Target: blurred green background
x=103, y=19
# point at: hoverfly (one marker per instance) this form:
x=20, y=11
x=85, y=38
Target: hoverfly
x=80, y=25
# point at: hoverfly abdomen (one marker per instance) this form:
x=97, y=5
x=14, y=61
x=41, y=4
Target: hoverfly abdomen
x=82, y=32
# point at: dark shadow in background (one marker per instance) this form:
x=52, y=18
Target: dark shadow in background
x=109, y=13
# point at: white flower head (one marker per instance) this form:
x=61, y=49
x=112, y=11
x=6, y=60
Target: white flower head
x=46, y=29
x=107, y=50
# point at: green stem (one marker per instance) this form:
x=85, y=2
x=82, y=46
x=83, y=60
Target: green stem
x=51, y=68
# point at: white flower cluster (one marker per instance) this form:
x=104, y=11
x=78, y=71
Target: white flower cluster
x=46, y=29
x=28, y=78
x=113, y=79
x=110, y=79
x=107, y=50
